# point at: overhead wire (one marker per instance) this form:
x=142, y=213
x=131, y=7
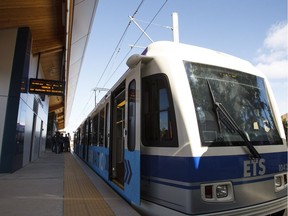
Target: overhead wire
x=155, y=24
x=150, y=23
x=116, y=51
x=117, y=48
x=136, y=40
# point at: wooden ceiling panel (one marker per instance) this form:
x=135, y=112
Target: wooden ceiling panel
x=46, y=46
x=27, y=4
x=52, y=64
x=46, y=20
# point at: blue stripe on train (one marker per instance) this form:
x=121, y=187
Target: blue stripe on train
x=211, y=168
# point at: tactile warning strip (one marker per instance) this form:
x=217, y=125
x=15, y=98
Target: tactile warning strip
x=81, y=198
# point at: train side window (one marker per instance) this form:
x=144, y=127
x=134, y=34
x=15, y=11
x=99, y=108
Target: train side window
x=90, y=123
x=158, y=116
x=106, y=125
x=131, y=115
x=82, y=135
x=87, y=131
x=101, y=127
x=95, y=129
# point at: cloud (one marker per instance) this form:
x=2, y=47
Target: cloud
x=272, y=57
x=272, y=60
x=277, y=37
x=275, y=69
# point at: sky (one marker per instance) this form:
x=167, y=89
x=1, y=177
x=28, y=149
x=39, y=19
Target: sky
x=254, y=30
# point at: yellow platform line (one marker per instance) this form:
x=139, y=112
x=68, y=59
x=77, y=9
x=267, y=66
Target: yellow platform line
x=81, y=198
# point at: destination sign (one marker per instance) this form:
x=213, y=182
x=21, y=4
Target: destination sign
x=48, y=87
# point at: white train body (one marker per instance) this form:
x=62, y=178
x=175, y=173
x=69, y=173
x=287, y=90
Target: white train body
x=189, y=131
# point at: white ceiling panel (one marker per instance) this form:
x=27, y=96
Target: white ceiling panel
x=77, y=50
x=84, y=12
x=83, y=18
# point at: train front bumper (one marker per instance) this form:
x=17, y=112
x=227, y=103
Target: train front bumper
x=255, y=210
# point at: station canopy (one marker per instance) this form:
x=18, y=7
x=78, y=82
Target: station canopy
x=60, y=32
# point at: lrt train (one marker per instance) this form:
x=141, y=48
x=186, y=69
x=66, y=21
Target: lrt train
x=189, y=131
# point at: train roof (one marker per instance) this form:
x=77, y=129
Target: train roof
x=199, y=55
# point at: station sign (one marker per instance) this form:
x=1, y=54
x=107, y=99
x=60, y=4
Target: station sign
x=47, y=87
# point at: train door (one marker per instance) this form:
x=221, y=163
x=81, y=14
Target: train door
x=125, y=137
x=133, y=136
x=86, y=139
x=117, y=136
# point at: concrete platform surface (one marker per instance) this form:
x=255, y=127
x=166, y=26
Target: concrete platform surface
x=36, y=189
x=39, y=189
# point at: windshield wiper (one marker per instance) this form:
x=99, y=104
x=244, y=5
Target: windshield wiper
x=219, y=107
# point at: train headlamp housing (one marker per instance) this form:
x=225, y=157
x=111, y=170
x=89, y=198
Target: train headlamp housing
x=280, y=181
x=217, y=192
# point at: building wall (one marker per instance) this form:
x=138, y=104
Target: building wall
x=7, y=44
x=23, y=116
x=36, y=117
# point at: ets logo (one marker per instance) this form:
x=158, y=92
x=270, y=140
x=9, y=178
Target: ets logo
x=254, y=167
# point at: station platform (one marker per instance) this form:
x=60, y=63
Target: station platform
x=59, y=185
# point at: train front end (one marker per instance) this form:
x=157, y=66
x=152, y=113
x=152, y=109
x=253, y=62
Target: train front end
x=242, y=168
x=232, y=153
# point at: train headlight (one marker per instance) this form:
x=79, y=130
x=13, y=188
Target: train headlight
x=221, y=191
x=217, y=192
x=280, y=182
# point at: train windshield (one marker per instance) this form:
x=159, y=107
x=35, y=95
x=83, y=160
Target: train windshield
x=225, y=100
